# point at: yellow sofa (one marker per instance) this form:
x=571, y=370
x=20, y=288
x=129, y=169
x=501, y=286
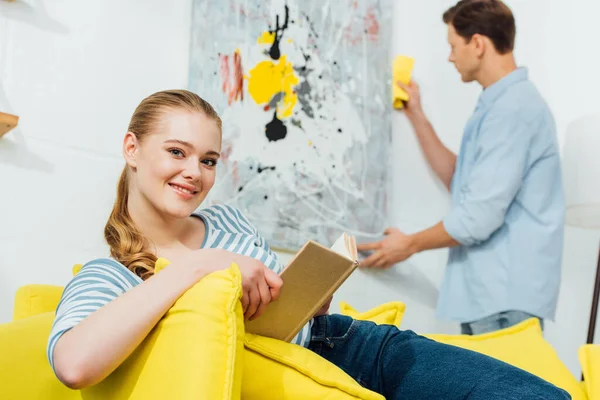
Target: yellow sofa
x=268, y=369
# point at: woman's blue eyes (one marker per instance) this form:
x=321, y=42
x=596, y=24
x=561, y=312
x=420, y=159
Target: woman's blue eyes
x=176, y=152
x=180, y=154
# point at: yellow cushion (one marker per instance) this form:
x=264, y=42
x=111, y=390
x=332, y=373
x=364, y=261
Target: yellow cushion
x=388, y=313
x=288, y=371
x=24, y=369
x=523, y=346
x=589, y=357
x=76, y=268
x=194, y=352
x=36, y=299
x=275, y=370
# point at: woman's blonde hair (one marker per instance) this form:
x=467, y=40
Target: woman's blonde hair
x=127, y=244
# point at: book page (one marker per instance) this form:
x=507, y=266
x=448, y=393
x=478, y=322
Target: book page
x=345, y=245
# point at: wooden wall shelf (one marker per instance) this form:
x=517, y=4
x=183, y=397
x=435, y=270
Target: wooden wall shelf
x=7, y=122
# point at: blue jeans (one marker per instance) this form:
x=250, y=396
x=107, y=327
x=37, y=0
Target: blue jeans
x=403, y=365
x=496, y=322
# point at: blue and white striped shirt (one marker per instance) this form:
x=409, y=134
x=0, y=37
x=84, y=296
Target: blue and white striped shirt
x=103, y=280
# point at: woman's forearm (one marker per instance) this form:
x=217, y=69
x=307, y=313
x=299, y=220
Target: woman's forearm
x=94, y=348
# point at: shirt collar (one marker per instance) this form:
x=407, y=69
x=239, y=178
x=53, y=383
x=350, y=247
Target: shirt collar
x=491, y=93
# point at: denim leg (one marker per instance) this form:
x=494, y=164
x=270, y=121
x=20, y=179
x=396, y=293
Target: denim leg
x=491, y=323
x=465, y=328
x=403, y=365
x=496, y=322
x=513, y=317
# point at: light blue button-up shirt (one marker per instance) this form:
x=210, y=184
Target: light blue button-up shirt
x=507, y=208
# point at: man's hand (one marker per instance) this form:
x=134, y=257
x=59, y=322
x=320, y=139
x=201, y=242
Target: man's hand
x=412, y=107
x=324, y=310
x=394, y=248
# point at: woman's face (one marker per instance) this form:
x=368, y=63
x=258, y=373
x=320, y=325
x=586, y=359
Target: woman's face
x=174, y=167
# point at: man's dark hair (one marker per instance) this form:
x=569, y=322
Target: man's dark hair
x=491, y=18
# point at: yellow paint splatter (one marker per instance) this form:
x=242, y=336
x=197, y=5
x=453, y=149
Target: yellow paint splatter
x=268, y=78
x=310, y=142
x=266, y=38
x=289, y=40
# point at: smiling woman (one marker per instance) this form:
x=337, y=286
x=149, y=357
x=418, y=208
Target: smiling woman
x=171, y=150
x=110, y=306
x=175, y=139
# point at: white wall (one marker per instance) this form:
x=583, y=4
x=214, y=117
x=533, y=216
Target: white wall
x=75, y=77
x=75, y=84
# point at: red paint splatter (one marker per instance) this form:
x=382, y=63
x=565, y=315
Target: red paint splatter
x=238, y=77
x=236, y=7
x=224, y=72
x=371, y=24
x=232, y=83
x=235, y=174
x=226, y=151
x=354, y=33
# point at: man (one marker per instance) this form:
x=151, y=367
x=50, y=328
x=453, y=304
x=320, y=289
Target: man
x=505, y=227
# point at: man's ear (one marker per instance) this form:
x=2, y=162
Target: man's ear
x=131, y=147
x=480, y=44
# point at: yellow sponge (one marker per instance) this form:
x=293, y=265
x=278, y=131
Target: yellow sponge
x=402, y=69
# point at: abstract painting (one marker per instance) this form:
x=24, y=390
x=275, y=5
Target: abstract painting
x=303, y=88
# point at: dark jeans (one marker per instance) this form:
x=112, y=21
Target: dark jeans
x=403, y=365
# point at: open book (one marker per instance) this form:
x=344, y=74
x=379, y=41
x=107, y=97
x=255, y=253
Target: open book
x=311, y=277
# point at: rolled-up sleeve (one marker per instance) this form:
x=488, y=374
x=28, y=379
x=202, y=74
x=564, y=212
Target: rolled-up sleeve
x=499, y=166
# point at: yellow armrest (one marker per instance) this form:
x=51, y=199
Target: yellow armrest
x=275, y=370
x=589, y=357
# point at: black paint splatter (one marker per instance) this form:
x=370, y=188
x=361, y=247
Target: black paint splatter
x=304, y=92
x=275, y=130
x=275, y=100
x=274, y=51
x=297, y=123
x=310, y=23
x=261, y=169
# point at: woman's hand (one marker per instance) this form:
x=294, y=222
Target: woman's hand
x=324, y=310
x=260, y=285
